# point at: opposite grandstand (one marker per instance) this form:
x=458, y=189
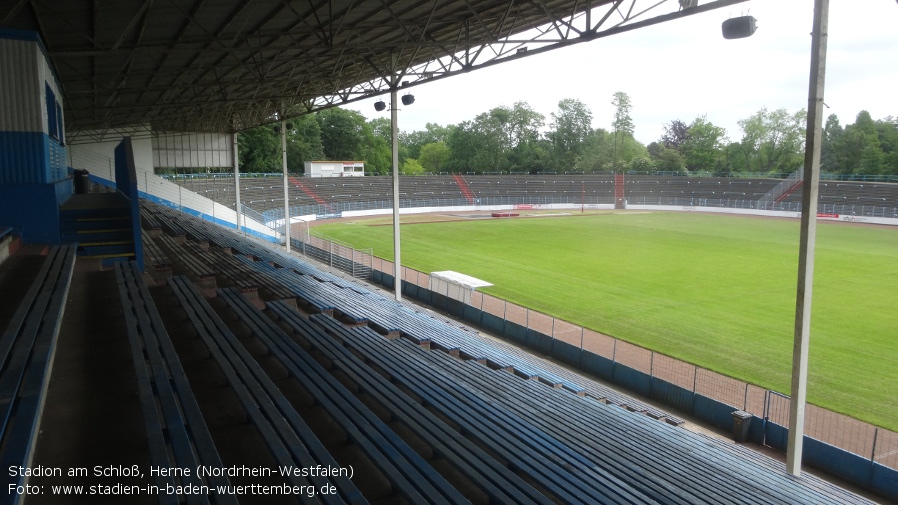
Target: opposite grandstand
x=264, y=193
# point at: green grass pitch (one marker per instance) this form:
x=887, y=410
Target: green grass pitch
x=717, y=291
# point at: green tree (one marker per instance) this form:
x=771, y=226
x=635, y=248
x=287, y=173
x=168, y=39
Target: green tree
x=597, y=154
x=376, y=149
x=531, y=157
x=622, y=125
x=524, y=124
x=493, y=129
x=887, y=130
x=668, y=159
x=411, y=167
x=622, y=122
x=702, y=149
x=415, y=140
x=528, y=151
x=500, y=139
x=463, y=144
x=859, y=147
x=831, y=139
x=259, y=149
x=303, y=142
x=342, y=133
x=774, y=140
x=643, y=164
x=735, y=158
x=434, y=156
x=570, y=125
x=602, y=152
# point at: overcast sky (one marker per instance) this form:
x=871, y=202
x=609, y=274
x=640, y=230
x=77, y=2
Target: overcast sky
x=683, y=69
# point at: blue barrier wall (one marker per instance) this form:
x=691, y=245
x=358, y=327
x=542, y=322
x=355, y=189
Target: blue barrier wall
x=126, y=183
x=24, y=157
x=33, y=210
x=713, y=412
x=597, y=365
x=679, y=398
x=566, y=352
x=885, y=481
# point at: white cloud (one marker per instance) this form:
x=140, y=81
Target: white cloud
x=684, y=69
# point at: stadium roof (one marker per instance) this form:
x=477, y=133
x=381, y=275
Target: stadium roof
x=228, y=65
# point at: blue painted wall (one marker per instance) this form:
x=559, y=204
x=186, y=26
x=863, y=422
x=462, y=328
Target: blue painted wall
x=33, y=210
x=25, y=158
x=126, y=182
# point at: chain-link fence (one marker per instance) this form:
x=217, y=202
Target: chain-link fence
x=359, y=263
x=337, y=208
x=845, y=211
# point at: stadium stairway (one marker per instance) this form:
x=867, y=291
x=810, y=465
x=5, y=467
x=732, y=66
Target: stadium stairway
x=101, y=225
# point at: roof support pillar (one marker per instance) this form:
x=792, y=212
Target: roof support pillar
x=237, y=184
x=808, y=238
x=394, y=133
x=286, y=185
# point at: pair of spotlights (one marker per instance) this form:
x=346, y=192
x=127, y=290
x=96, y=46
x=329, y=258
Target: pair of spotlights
x=407, y=99
x=277, y=127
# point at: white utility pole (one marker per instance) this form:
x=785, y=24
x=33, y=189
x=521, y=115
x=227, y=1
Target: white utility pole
x=286, y=186
x=808, y=238
x=236, y=181
x=394, y=129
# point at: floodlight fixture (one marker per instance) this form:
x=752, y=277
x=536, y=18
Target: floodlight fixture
x=738, y=28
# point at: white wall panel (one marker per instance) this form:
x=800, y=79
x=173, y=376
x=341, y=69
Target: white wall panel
x=193, y=150
x=46, y=77
x=99, y=158
x=20, y=91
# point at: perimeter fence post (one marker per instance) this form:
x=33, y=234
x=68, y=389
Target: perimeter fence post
x=582, y=330
x=873, y=451
x=745, y=399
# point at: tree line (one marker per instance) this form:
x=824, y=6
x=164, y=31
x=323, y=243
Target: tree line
x=519, y=139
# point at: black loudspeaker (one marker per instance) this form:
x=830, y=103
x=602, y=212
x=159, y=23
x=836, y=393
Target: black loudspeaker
x=408, y=99
x=738, y=28
x=379, y=106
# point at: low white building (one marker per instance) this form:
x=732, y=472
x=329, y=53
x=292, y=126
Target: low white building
x=335, y=168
